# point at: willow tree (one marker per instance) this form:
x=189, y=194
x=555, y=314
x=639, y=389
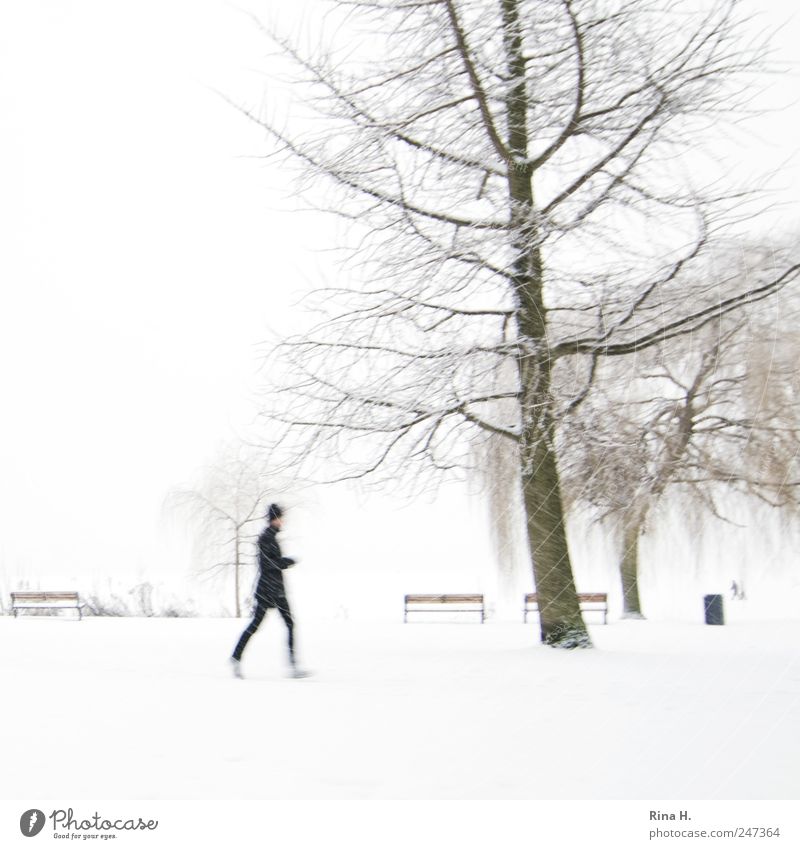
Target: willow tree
x=226, y=510
x=510, y=173
x=706, y=419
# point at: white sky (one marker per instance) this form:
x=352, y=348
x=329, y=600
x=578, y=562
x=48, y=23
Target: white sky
x=143, y=259
x=144, y=256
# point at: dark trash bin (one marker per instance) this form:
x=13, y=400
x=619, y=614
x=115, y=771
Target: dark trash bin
x=714, y=612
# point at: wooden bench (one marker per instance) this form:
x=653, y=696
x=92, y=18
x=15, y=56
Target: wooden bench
x=46, y=601
x=588, y=602
x=443, y=604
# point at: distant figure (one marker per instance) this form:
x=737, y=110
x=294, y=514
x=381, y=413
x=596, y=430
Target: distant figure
x=737, y=592
x=270, y=591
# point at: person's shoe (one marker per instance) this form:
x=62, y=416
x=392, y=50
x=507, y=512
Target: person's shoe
x=236, y=665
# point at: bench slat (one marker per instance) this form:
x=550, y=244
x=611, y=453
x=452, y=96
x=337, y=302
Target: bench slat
x=583, y=599
x=44, y=596
x=532, y=598
x=444, y=599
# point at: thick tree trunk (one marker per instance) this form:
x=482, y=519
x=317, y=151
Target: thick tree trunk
x=560, y=617
x=561, y=621
x=629, y=571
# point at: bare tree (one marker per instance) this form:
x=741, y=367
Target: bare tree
x=512, y=175
x=715, y=414
x=226, y=508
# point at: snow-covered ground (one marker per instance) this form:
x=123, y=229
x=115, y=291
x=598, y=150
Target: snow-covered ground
x=147, y=709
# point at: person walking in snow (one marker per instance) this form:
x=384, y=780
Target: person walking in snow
x=270, y=590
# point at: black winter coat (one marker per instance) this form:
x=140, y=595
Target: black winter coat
x=271, y=563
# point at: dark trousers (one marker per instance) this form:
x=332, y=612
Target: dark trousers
x=282, y=604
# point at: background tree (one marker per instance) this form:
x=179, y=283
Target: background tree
x=227, y=510
x=706, y=417
x=512, y=176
